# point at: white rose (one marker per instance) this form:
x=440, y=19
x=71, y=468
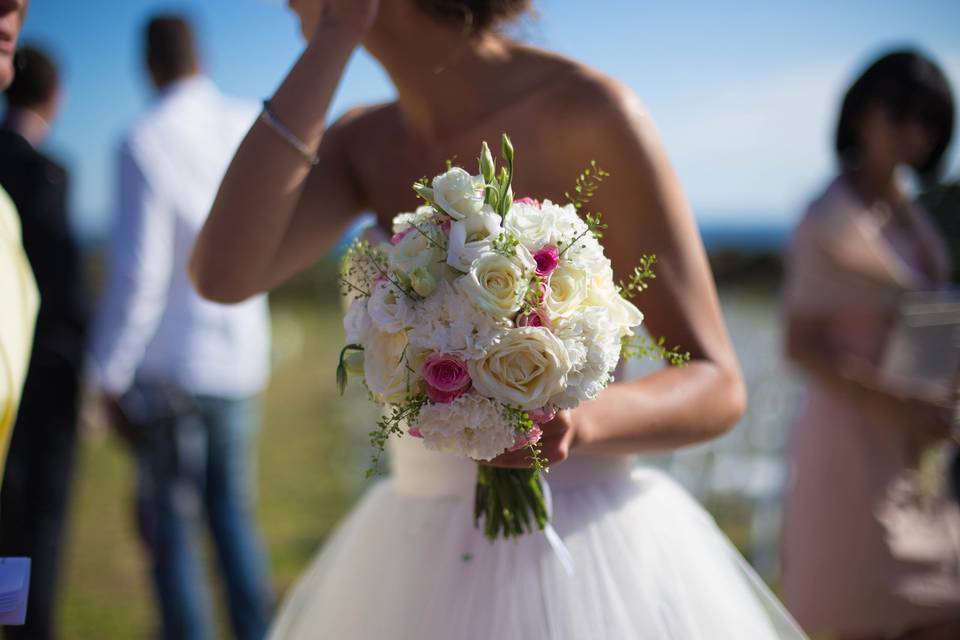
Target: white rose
x=356, y=322
x=459, y=194
x=419, y=248
x=470, y=425
x=496, y=283
x=385, y=361
x=524, y=368
x=568, y=290
x=389, y=308
x=471, y=238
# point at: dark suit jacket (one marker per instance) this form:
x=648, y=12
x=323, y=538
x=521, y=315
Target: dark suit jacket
x=38, y=187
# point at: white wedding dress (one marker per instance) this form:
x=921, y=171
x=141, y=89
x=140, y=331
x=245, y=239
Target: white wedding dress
x=649, y=563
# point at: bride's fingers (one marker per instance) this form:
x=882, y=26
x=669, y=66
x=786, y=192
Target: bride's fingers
x=557, y=434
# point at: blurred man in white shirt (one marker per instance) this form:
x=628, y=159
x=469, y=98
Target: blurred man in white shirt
x=181, y=374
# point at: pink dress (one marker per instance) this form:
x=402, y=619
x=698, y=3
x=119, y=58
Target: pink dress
x=865, y=550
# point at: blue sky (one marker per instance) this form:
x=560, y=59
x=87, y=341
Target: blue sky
x=745, y=97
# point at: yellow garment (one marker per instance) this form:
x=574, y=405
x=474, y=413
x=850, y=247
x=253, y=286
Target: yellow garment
x=18, y=314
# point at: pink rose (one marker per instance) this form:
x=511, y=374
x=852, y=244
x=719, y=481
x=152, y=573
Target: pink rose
x=530, y=201
x=546, y=259
x=543, y=415
x=523, y=439
x=533, y=318
x=413, y=431
x=446, y=377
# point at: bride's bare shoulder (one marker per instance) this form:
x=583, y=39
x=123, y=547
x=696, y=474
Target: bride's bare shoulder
x=599, y=115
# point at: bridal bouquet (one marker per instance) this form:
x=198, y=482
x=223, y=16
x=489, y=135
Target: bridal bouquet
x=481, y=318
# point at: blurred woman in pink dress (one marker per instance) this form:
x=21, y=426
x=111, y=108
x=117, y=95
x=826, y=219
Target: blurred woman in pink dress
x=868, y=553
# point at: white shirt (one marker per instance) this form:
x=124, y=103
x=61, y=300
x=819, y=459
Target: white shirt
x=153, y=325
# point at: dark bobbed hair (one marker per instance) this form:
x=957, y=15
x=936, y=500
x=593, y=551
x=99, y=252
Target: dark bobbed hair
x=35, y=78
x=912, y=87
x=170, y=48
x=475, y=15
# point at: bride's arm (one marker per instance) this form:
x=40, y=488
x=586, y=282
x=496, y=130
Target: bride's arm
x=647, y=213
x=275, y=213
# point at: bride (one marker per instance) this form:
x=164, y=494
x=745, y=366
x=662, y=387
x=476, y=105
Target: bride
x=649, y=562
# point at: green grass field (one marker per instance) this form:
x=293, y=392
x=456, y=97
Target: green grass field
x=310, y=468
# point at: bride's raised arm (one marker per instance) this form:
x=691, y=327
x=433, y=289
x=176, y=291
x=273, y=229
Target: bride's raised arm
x=276, y=211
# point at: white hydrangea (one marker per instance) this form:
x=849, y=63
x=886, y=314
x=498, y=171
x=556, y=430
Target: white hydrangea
x=423, y=215
x=447, y=322
x=568, y=222
x=587, y=254
x=593, y=342
x=470, y=425
x=389, y=308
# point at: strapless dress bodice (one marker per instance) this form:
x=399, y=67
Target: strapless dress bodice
x=418, y=471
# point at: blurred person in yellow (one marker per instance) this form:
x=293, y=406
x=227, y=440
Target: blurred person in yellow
x=19, y=302
x=19, y=298
x=37, y=479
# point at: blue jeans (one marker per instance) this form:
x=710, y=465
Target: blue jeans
x=195, y=455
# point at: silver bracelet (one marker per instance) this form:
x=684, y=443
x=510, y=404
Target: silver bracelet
x=301, y=147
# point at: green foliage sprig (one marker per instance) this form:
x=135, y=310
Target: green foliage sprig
x=645, y=347
x=586, y=185
x=640, y=278
x=523, y=423
x=506, y=243
x=391, y=424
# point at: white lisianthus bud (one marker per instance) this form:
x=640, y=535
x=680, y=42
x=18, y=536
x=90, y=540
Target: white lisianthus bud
x=422, y=281
x=487, y=168
x=353, y=362
x=459, y=194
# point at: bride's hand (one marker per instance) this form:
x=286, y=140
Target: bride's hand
x=558, y=437
x=354, y=15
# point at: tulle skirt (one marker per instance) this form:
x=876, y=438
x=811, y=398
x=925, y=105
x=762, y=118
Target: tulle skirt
x=649, y=563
